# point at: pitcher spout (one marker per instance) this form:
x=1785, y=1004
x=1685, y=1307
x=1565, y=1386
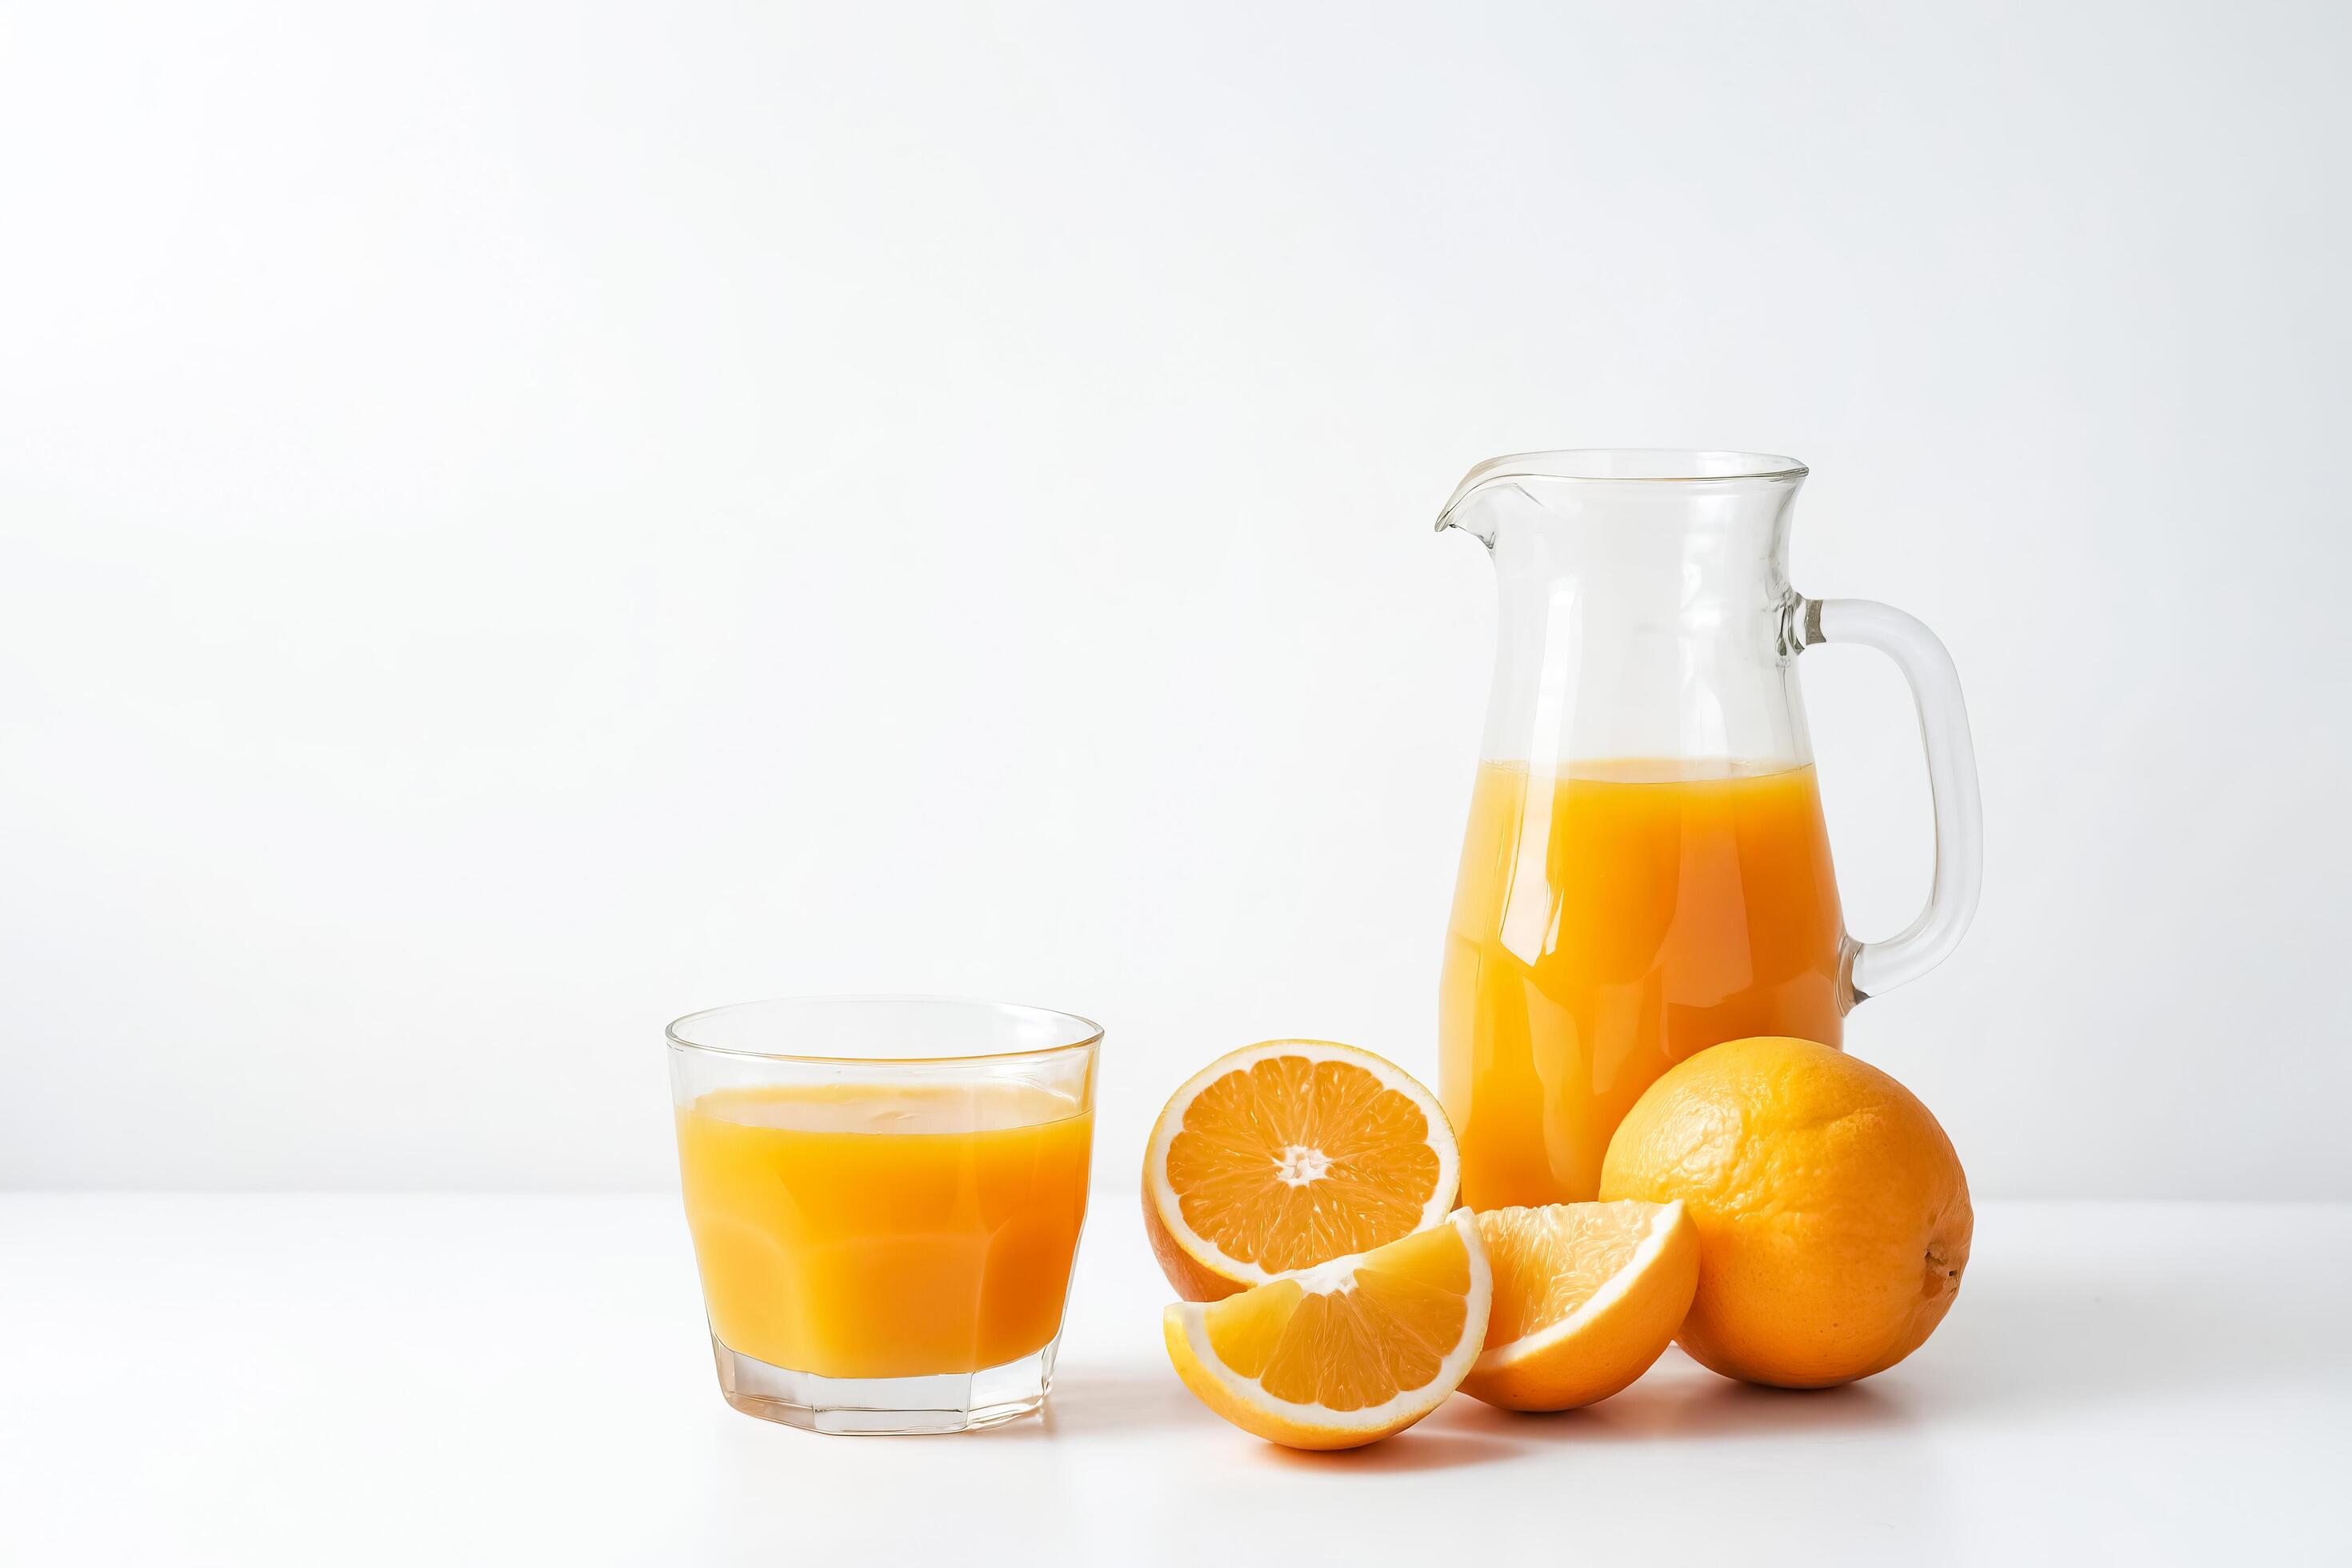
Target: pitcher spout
x=1466, y=509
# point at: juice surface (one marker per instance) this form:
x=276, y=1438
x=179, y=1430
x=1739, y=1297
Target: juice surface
x=1608, y=921
x=898, y=1231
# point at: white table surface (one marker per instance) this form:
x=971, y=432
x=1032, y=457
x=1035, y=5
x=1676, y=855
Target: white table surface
x=339, y=1379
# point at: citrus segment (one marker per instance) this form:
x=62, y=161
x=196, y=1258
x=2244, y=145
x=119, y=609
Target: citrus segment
x=1347, y=1353
x=1587, y=1296
x=1284, y=1154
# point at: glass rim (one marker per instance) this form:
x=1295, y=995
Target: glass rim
x=1693, y=466
x=679, y=1042
x=1669, y=465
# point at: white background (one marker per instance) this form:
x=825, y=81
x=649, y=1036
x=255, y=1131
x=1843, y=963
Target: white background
x=518, y=523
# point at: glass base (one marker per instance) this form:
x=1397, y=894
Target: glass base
x=886, y=1406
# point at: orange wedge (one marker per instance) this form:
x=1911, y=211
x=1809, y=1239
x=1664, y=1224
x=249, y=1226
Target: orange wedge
x=1345, y=1353
x=1288, y=1154
x=1586, y=1296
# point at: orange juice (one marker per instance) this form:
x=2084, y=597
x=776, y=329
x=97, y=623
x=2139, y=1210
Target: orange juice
x=858, y=1230
x=1610, y=921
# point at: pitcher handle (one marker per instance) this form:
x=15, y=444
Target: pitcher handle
x=1881, y=966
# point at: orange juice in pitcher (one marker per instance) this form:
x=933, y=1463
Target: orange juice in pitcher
x=1647, y=870
x=1669, y=908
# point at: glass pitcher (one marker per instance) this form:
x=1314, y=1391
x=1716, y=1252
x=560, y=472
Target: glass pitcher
x=1646, y=872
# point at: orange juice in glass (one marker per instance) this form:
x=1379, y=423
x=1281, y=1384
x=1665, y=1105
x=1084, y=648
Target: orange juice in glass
x=885, y=1195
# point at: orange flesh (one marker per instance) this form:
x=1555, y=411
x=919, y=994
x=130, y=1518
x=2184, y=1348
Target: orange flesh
x=1547, y=1262
x=1358, y=1151
x=1356, y=1347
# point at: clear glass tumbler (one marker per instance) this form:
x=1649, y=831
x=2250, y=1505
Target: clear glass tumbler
x=885, y=1194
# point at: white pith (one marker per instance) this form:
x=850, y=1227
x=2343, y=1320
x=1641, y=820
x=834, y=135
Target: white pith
x=1336, y=1278
x=1172, y=1122
x=1301, y=1165
x=1406, y=1403
x=1511, y=1352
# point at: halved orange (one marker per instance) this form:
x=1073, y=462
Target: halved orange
x=1586, y=1296
x=1345, y=1353
x=1288, y=1154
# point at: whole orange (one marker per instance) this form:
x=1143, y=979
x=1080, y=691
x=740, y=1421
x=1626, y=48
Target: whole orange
x=1833, y=1216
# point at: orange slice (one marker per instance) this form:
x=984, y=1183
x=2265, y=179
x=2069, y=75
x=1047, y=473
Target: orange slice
x=1345, y=1353
x=1288, y=1154
x=1586, y=1296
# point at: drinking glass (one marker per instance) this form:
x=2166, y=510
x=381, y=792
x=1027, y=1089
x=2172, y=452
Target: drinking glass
x=885, y=1194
